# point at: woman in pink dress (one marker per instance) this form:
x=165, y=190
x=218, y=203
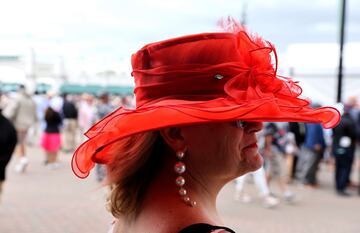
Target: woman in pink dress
x=51, y=139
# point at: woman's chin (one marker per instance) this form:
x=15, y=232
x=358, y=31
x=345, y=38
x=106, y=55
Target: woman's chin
x=251, y=164
x=254, y=162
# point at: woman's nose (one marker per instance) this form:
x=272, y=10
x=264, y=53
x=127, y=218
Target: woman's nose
x=253, y=127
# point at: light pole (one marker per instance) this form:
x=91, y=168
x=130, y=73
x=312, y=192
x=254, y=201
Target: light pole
x=342, y=37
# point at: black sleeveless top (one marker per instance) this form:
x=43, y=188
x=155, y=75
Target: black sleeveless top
x=204, y=228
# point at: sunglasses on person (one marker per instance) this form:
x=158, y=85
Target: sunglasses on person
x=241, y=124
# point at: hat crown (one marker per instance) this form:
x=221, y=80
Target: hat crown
x=189, y=67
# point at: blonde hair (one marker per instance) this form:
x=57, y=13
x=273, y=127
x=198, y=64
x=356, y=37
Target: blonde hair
x=135, y=162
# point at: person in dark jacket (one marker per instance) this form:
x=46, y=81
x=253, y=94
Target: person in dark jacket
x=344, y=142
x=8, y=140
x=70, y=115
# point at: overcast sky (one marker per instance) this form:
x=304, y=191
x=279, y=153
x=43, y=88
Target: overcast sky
x=102, y=34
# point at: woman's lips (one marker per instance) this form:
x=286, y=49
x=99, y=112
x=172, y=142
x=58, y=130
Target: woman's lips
x=253, y=145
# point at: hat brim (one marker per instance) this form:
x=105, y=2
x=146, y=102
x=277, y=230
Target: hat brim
x=126, y=122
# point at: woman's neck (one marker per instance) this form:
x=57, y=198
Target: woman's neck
x=163, y=210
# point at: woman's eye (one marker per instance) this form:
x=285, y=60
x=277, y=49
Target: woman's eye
x=240, y=124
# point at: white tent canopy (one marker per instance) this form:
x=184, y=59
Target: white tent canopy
x=315, y=66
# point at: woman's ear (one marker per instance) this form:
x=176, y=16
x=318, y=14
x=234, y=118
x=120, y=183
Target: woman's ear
x=173, y=137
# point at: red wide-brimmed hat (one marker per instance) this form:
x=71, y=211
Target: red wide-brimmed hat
x=209, y=77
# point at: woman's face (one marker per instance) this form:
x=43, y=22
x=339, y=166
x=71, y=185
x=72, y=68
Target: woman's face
x=223, y=149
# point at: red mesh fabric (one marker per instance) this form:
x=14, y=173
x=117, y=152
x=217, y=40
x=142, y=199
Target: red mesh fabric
x=177, y=83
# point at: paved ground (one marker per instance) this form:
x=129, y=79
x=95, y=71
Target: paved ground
x=47, y=201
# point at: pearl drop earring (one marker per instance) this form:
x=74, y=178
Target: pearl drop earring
x=180, y=169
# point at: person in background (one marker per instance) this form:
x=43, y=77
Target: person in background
x=55, y=100
x=295, y=139
x=35, y=131
x=8, y=140
x=70, y=123
x=22, y=113
x=343, y=148
x=353, y=107
x=128, y=101
x=311, y=154
x=103, y=108
x=51, y=139
x=261, y=184
x=354, y=111
x=274, y=160
x=86, y=115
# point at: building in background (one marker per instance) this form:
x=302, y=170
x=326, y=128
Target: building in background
x=21, y=66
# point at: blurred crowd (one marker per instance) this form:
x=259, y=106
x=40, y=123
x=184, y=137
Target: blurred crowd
x=55, y=122
x=292, y=152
